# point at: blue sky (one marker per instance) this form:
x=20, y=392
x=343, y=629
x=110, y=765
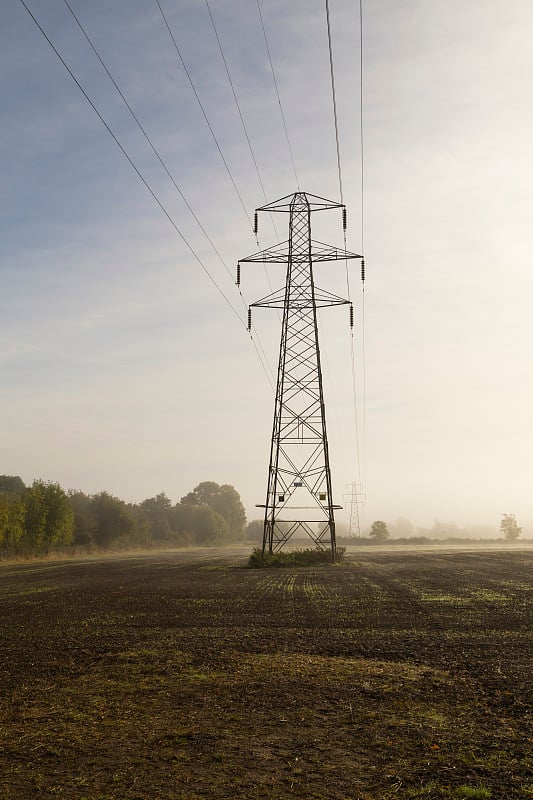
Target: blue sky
x=122, y=367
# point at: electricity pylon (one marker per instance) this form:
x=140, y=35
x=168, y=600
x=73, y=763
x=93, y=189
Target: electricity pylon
x=299, y=496
x=353, y=502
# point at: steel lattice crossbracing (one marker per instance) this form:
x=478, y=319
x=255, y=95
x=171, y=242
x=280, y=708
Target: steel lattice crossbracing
x=299, y=496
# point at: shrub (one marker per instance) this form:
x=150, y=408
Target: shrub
x=472, y=793
x=293, y=558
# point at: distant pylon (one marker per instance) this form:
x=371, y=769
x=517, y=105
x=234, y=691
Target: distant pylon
x=299, y=495
x=353, y=501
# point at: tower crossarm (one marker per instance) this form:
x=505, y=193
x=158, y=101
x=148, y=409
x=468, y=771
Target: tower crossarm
x=279, y=254
x=313, y=203
x=322, y=299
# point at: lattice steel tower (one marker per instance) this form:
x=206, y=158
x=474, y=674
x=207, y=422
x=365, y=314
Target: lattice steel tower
x=299, y=496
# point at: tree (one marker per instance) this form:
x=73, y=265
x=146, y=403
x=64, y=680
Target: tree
x=112, y=519
x=12, y=484
x=11, y=522
x=509, y=527
x=254, y=531
x=157, y=515
x=207, y=527
x=48, y=517
x=379, y=531
x=83, y=517
x=59, y=527
x=224, y=500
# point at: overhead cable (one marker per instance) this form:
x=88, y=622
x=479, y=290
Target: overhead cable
x=252, y=154
x=134, y=166
x=178, y=51
x=254, y=160
x=262, y=357
x=163, y=164
x=334, y=103
x=339, y=172
x=361, y=128
x=361, y=140
x=147, y=137
x=279, y=98
x=335, y=120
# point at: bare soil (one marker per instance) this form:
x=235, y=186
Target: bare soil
x=185, y=675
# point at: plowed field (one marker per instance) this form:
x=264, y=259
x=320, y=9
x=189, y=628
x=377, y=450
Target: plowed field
x=185, y=675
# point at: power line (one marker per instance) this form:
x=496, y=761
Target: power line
x=204, y=113
x=147, y=137
x=254, y=160
x=336, y=123
x=354, y=391
x=361, y=137
x=361, y=141
x=252, y=154
x=133, y=165
x=264, y=360
x=262, y=357
x=339, y=171
x=221, y=153
x=334, y=104
x=277, y=93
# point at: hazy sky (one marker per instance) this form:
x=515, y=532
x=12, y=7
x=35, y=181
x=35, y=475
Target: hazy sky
x=123, y=368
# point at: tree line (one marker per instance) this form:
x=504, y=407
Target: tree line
x=402, y=532
x=42, y=517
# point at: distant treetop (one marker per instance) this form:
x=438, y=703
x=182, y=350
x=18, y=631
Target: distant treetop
x=509, y=527
x=12, y=484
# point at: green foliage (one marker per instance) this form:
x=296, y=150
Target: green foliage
x=48, y=518
x=379, y=531
x=223, y=500
x=83, y=518
x=157, y=516
x=12, y=484
x=509, y=527
x=34, y=518
x=293, y=558
x=42, y=517
x=12, y=513
x=112, y=519
x=472, y=793
x=205, y=525
x=11, y=523
x=59, y=527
